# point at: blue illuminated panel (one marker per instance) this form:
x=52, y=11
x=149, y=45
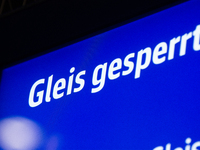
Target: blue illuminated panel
x=133, y=87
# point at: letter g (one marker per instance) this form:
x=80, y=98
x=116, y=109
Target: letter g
x=39, y=94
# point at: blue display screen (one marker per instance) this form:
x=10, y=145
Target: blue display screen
x=133, y=87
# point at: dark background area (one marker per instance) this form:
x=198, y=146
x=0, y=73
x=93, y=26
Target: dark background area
x=31, y=30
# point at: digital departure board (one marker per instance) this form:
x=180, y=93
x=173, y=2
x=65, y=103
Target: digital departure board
x=135, y=87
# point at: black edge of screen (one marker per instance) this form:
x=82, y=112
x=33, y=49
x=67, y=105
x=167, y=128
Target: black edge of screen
x=87, y=34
